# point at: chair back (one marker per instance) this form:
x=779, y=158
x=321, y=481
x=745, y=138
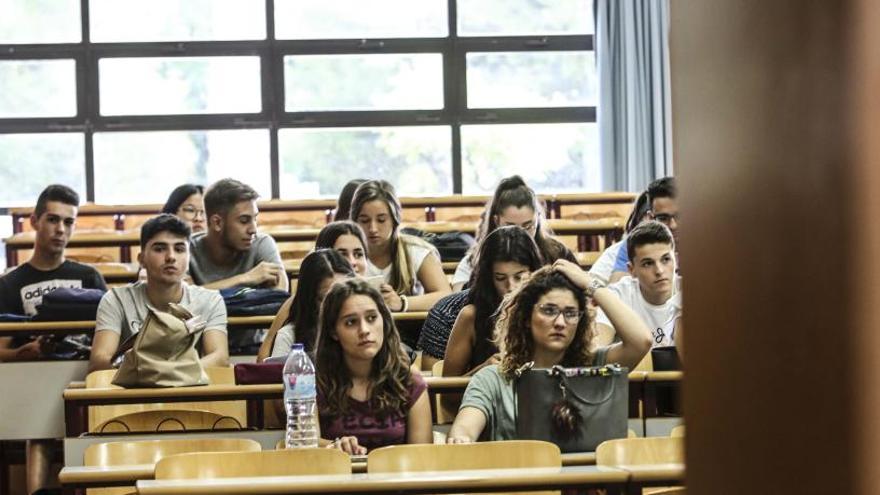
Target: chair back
x=143, y=417
x=678, y=431
x=150, y=451
x=291, y=462
x=482, y=455
x=653, y=450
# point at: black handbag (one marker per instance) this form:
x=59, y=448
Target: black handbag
x=575, y=408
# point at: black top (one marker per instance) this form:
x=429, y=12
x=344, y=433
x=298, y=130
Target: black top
x=22, y=289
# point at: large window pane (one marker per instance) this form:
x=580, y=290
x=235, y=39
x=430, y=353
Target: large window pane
x=363, y=82
x=531, y=79
x=318, y=162
x=341, y=19
x=177, y=20
x=143, y=167
x=39, y=21
x=179, y=85
x=550, y=157
x=30, y=162
x=524, y=17
x=37, y=88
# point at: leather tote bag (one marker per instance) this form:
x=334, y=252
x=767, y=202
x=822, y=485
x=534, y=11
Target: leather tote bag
x=575, y=408
x=164, y=353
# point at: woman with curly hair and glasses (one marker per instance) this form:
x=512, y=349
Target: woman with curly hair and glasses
x=545, y=321
x=367, y=395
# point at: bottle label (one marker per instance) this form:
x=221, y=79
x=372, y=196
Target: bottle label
x=301, y=387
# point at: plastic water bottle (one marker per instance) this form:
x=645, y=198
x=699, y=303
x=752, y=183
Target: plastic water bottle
x=299, y=400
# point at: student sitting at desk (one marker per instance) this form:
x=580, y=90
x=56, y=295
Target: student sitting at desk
x=297, y=320
x=164, y=255
x=505, y=259
x=22, y=289
x=652, y=290
x=544, y=321
x=367, y=395
x=513, y=203
x=231, y=252
x=413, y=274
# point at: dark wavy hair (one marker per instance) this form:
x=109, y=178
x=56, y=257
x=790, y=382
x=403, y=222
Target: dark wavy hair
x=328, y=235
x=316, y=267
x=513, y=332
x=389, y=374
x=179, y=195
x=510, y=243
x=641, y=206
x=513, y=191
x=343, y=203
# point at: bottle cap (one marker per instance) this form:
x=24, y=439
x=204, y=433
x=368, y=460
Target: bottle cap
x=296, y=347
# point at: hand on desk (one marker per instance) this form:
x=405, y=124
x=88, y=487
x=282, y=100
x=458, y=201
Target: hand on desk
x=349, y=445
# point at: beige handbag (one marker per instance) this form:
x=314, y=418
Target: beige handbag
x=163, y=353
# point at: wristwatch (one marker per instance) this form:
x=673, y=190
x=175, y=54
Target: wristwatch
x=593, y=286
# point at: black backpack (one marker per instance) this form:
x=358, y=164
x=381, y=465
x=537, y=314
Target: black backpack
x=452, y=246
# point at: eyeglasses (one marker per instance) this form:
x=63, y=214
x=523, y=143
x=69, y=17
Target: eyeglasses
x=666, y=218
x=192, y=212
x=552, y=311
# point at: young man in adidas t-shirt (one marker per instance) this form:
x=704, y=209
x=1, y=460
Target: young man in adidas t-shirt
x=22, y=289
x=652, y=290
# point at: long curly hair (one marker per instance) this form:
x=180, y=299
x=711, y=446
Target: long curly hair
x=389, y=374
x=513, y=334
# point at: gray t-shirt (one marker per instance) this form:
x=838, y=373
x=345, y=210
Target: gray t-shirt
x=203, y=271
x=124, y=309
x=494, y=396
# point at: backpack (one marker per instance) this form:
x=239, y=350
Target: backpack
x=452, y=246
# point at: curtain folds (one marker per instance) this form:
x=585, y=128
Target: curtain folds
x=632, y=51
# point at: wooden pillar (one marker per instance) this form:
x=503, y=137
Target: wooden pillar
x=776, y=132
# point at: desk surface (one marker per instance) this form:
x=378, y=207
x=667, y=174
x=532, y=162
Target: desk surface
x=127, y=475
x=62, y=327
x=25, y=240
x=432, y=482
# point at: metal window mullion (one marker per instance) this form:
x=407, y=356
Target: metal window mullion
x=356, y=46
x=180, y=49
x=526, y=43
x=89, y=98
x=272, y=98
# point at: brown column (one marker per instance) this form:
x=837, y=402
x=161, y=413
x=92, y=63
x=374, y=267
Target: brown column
x=776, y=106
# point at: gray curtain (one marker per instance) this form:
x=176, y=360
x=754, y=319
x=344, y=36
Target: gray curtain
x=632, y=50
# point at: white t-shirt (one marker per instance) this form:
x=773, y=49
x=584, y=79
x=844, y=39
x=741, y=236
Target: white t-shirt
x=417, y=254
x=463, y=271
x=283, y=341
x=604, y=266
x=124, y=309
x=660, y=319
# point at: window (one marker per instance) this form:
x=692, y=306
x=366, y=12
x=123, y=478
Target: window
x=295, y=97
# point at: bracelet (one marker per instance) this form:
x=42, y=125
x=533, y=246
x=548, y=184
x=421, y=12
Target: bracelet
x=404, y=304
x=594, y=285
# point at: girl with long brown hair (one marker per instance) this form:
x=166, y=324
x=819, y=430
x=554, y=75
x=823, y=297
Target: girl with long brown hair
x=413, y=275
x=367, y=395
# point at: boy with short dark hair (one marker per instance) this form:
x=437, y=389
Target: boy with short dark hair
x=164, y=256
x=652, y=290
x=231, y=252
x=22, y=289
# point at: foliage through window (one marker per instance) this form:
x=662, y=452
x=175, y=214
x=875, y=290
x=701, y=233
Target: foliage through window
x=295, y=97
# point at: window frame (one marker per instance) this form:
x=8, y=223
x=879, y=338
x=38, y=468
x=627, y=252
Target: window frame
x=454, y=50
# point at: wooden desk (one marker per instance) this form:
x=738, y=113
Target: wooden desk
x=28, y=328
x=127, y=475
x=424, y=482
x=586, y=230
